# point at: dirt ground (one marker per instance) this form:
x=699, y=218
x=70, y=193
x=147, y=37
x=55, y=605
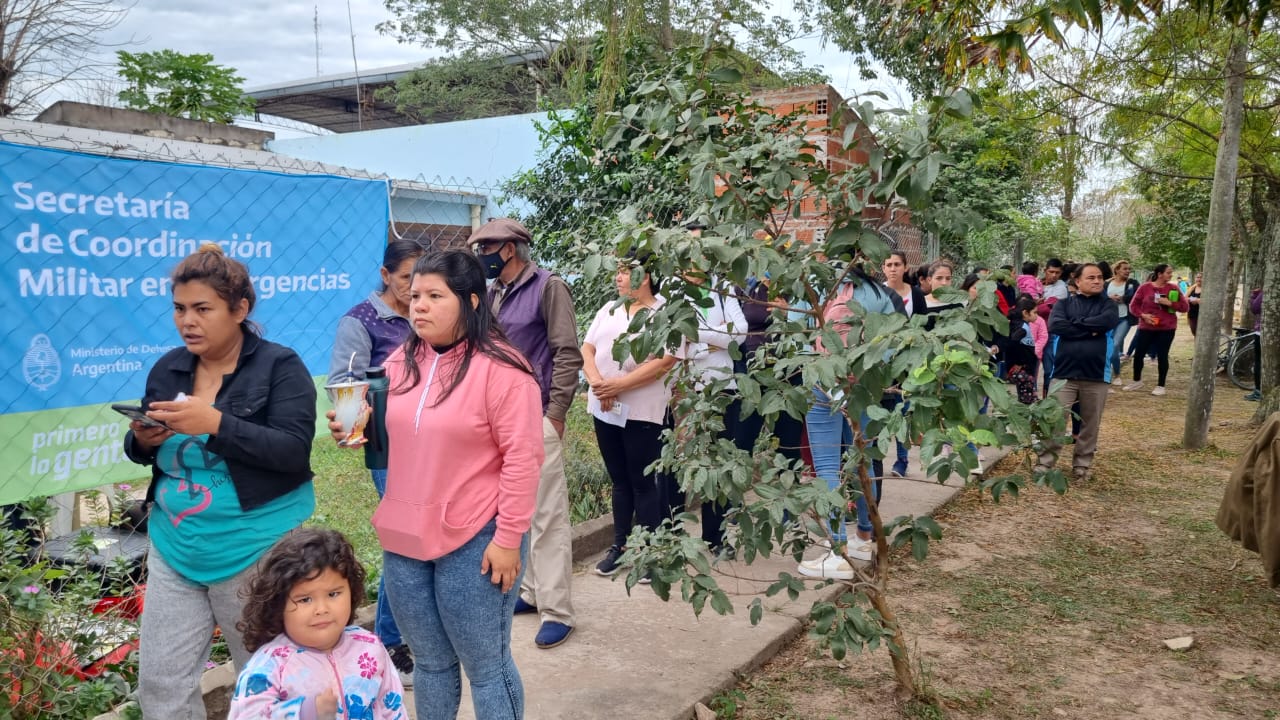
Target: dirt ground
x=1052, y=606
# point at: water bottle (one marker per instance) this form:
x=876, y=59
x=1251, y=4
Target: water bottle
x=375, y=451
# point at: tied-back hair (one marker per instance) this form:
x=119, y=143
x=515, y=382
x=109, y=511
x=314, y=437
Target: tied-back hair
x=396, y=252
x=227, y=277
x=302, y=554
x=461, y=271
x=939, y=264
x=1157, y=271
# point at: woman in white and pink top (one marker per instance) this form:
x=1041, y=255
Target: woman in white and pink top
x=464, y=432
x=628, y=400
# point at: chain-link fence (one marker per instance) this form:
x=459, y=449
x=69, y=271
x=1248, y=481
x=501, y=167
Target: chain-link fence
x=93, y=224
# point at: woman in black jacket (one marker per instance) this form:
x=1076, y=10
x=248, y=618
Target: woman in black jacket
x=1082, y=330
x=231, y=422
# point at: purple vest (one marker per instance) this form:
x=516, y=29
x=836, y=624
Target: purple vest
x=385, y=334
x=521, y=319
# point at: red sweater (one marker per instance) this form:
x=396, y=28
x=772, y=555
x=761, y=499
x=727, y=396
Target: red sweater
x=1163, y=317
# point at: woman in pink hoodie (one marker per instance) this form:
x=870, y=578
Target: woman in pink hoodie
x=464, y=431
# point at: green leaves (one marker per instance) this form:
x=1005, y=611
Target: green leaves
x=191, y=86
x=917, y=532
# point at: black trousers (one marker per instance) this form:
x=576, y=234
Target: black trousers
x=1158, y=341
x=626, y=452
x=713, y=512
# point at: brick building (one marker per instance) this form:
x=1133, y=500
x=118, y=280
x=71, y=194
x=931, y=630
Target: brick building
x=822, y=110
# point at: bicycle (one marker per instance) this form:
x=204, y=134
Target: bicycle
x=1241, y=358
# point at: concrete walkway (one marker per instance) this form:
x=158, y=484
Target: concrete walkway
x=638, y=658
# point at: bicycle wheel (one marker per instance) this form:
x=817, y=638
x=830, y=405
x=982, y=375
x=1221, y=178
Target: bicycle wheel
x=1226, y=344
x=1240, y=367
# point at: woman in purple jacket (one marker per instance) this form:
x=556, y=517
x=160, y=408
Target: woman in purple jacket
x=1255, y=306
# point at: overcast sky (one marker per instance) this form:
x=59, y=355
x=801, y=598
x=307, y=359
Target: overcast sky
x=273, y=42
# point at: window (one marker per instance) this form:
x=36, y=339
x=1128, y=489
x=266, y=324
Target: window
x=820, y=107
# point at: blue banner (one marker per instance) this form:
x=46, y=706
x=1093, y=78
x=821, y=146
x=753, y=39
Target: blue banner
x=87, y=244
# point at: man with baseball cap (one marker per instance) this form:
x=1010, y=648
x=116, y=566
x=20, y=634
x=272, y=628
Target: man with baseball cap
x=535, y=310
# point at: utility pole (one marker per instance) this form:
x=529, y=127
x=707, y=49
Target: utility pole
x=317, y=31
x=359, y=99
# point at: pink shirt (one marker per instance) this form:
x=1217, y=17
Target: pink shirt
x=452, y=467
x=283, y=680
x=1030, y=285
x=1039, y=335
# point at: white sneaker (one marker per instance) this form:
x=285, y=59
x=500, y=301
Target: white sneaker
x=1118, y=381
x=1159, y=390
x=1135, y=385
x=978, y=471
x=860, y=549
x=829, y=566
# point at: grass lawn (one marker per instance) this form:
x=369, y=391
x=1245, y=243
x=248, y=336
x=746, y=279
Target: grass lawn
x=1052, y=606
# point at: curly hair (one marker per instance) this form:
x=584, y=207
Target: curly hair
x=301, y=555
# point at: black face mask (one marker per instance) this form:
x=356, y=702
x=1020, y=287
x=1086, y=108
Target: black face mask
x=493, y=263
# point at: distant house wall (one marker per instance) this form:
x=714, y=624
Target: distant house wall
x=137, y=122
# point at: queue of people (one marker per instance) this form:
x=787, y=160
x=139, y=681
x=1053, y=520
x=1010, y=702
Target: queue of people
x=480, y=351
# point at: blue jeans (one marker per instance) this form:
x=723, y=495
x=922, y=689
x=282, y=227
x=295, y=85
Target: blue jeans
x=449, y=612
x=384, y=624
x=1117, y=345
x=1047, y=363
x=828, y=433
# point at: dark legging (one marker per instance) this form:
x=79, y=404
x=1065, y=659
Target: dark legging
x=626, y=453
x=1158, y=341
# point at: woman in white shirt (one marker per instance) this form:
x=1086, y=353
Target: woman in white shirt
x=720, y=325
x=1120, y=290
x=628, y=401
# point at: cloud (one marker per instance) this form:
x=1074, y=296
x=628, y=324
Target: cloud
x=266, y=42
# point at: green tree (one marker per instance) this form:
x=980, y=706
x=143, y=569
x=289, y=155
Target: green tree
x=747, y=172
x=560, y=35
x=990, y=181
x=464, y=88
x=190, y=86
x=973, y=34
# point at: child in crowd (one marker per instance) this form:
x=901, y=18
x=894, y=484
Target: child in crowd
x=309, y=659
x=1029, y=281
x=1019, y=349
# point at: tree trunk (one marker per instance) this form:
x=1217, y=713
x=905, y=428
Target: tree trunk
x=1217, y=246
x=666, y=34
x=1270, y=310
x=1227, y=321
x=1069, y=182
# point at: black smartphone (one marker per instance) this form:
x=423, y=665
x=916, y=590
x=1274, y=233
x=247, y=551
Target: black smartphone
x=135, y=412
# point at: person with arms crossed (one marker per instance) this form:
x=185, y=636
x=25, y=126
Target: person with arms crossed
x=1081, y=330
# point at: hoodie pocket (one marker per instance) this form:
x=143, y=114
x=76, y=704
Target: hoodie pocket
x=418, y=531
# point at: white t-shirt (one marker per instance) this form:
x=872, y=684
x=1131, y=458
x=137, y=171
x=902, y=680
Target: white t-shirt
x=1116, y=292
x=1057, y=290
x=647, y=403
x=718, y=326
